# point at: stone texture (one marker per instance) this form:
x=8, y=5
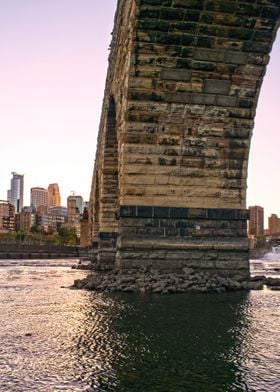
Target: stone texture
x=152, y=281
x=180, y=99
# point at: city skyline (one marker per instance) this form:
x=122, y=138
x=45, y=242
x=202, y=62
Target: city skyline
x=50, y=104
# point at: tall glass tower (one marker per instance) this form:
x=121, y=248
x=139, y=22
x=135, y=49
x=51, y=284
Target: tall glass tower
x=15, y=194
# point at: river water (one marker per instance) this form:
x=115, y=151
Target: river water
x=53, y=338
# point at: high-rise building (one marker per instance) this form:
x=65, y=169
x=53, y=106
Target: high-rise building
x=256, y=220
x=39, y=197
x=273, y=224
x=54, y=195
x=75, y=204
x=15, y=194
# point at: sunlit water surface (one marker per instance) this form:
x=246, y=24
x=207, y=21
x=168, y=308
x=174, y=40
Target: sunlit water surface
x=56, y=339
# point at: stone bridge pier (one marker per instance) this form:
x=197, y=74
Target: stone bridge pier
x=169, y=181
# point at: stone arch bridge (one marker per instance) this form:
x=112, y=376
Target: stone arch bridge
x=169, y=181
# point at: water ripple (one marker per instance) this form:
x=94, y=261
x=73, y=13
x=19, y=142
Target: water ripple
x=56, y=339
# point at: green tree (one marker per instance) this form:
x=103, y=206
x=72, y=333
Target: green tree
x=34, y=229
x=20, y=236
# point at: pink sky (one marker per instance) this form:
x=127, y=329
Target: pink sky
x=53, y=66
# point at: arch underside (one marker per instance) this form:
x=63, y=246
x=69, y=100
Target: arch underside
x=186, y=77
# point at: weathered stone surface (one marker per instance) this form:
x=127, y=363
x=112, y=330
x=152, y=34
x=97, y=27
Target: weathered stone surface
x=216, y=86
x=146, y=280
x=169, y=179
x=175, y=74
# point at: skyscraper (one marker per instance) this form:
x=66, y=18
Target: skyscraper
x=15, y=194
x=54, y=195
x=39, y=197
x=256, y=220
x=273, y=224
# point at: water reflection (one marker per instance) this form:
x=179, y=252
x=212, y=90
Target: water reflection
x=56, y=339
x=175, y=343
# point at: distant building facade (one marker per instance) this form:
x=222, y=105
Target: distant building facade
x=54, y=195
x=75, y=204
x=58, y=210
x=7, y=216
x=50, y=223
x=273, y=225
x=256, y=222
x=74, y=207
x=39, y=197
x=15, y=194
x=26, y=219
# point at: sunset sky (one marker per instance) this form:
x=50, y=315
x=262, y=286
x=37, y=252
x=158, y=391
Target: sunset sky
x=53, y=66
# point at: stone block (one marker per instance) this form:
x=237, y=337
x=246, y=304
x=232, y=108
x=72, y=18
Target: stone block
x=178, y=212
x=205, y=42
x=161, y=212
x=176, y=74
x=187, y=39
x=191, y=4
x=168, y=38
x=171, y=232
x=199, y=213
x=225, y=100
x=246, y=103
x=178, y=97
x=204, y=99
x=183, y=26
x=216, y=86
x=257, y=47
x=242, y=34
x=226, y=264
x=144, y=212
x=237, y=57
x=150, y=231
x=172, y=13
x=167, y=223
x=152, y=223
x=209, y=55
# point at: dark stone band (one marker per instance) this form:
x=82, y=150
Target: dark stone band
x=183, y=213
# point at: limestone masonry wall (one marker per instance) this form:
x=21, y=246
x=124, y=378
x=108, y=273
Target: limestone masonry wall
x=180, y=100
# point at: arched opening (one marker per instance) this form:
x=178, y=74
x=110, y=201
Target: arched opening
x=263, y=170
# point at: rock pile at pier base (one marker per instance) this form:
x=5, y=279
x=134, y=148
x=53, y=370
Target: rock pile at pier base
x=152, y=281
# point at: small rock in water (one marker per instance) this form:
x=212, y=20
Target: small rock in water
x=272, y=281
x=257, y=278
x=255, y=285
